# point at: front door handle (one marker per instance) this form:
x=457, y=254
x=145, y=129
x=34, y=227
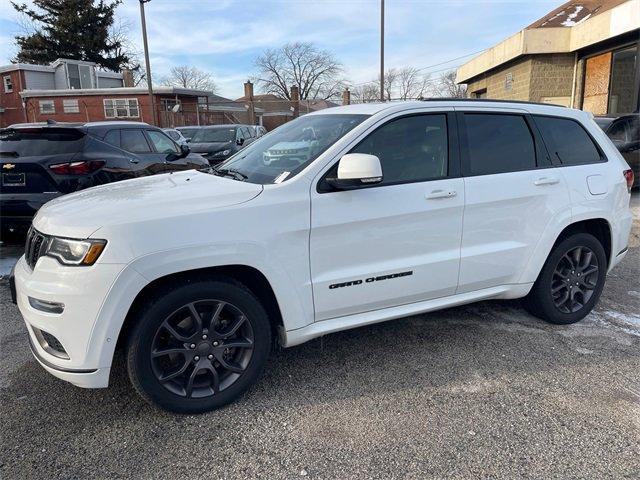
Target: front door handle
x=134, y=160
x=546, y=181
x=441, y=194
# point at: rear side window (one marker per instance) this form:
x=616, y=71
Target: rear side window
x=567, y=141
x=112, y=138
x=497, y=144
x=37, y=142
x=133, y=141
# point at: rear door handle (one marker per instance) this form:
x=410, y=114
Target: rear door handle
x=546, y=181
x=441, y=194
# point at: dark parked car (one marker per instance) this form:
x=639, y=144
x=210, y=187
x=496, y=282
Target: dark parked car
x=42, y=161
x=624, y=132
x=188, y=132
x=218, y=142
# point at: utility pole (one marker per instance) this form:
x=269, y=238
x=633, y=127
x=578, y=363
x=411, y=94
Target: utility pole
x=382, y=50
x=147, y=63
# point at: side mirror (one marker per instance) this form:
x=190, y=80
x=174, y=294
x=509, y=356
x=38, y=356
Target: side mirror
x=185, y=150
x=188, y=140
x=239, y=141
x=357, y=170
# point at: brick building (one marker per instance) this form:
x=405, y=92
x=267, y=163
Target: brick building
x=583, y=54
x=77, y=91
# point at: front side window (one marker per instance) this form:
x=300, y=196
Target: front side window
x=133, y=140
x=47, y=107
x=161, y=142
x=567, y=141
x=121, y=108
x=498, y=143
x=410, y=149
x=288, y=149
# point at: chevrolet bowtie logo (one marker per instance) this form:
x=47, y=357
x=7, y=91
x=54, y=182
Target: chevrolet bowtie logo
x=8, y=166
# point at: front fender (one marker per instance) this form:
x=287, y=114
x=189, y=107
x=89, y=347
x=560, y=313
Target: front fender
x=294, y=298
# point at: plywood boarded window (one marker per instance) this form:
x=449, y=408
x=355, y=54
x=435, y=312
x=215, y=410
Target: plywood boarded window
x=596, y=84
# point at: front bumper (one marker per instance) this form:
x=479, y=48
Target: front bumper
x=83, y=292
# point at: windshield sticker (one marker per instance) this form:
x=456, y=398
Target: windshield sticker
x=281, y=177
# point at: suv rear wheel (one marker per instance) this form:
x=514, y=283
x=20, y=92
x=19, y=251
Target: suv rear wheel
x=570, y=282
x=199, y=346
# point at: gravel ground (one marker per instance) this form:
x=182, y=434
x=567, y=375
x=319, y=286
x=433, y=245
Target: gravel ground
x=478, y=391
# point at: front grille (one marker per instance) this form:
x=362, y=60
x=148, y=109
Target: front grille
x=50, y=344
x=34, y=247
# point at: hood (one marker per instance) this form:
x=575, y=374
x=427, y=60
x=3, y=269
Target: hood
x=210, y=147
x=80, y=214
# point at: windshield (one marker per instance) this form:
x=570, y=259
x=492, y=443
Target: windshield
x=188, y=132
x=209, y=135
x=288, y=149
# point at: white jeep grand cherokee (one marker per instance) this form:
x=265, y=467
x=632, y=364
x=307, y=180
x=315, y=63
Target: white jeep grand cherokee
x=402, y=208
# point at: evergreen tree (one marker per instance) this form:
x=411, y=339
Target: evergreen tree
x=76, y=29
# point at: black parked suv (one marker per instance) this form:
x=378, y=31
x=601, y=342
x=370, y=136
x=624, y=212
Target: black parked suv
x=39, y=162
x=218, y=142
x=624, y=132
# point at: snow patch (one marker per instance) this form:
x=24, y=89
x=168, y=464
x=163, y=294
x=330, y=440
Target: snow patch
x=570, y=21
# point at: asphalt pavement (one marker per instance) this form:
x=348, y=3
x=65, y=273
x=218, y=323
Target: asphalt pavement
x=479, y=391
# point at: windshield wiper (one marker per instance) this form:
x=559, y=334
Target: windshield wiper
x=230, y=172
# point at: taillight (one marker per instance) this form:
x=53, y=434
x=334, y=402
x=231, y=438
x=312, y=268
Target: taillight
x=628, y=176
x=76, y=168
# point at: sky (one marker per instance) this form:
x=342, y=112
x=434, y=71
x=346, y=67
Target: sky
x=224, y=37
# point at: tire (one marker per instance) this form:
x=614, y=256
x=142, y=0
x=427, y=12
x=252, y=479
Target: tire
x=563, y=275
x=184, y=365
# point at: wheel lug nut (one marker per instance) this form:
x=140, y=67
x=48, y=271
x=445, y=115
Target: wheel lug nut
x=210, y=357
x=204, y=337
x=196, y=358
x=215, y=344
x=193, y=345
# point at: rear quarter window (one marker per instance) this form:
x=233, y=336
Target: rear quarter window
x=567, y=141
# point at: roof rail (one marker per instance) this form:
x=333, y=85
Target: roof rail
x=487, y=100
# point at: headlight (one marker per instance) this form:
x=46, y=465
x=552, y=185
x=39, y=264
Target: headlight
x=75, y=252
x=222, y=153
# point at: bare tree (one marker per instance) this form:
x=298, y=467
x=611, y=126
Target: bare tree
x=411, y=83
x=447, y=86
x=368, y=92
x=190, y=77
x=317, y=73
x=120, y=34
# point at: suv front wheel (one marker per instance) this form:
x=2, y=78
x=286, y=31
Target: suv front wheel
x=198, y=346
x=570, y=282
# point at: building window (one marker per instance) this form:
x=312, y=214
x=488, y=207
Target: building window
x=167, y=104
x=8, y=84
x=121, y=108
x=47, y=107
x=79, y=76
x=70, y=106
x=597, y=71
x=623, y=70
x=479, y=93
x=508, y=82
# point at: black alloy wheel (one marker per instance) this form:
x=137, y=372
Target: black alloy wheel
x=570, y=282
x=575, y=278
x=202, y=348
x=198, y=345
